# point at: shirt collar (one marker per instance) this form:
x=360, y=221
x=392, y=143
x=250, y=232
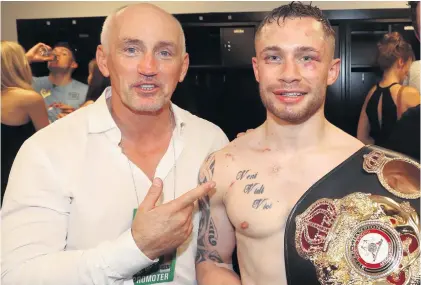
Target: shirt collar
x=101, y=121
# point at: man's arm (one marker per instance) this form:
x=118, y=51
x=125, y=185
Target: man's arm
x=35, y=219
x=216, y=238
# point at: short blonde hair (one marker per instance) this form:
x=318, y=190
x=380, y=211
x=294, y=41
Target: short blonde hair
x=15, y=69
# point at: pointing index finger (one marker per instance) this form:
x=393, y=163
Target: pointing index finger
x=191, y=196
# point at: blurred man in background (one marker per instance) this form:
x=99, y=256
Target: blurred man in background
x=62, y=93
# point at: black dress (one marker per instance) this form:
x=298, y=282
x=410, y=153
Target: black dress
x=380, y=133
x=405, y=137
x=12, y=138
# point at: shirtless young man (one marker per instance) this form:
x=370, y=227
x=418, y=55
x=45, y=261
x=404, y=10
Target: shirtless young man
x=261, y=175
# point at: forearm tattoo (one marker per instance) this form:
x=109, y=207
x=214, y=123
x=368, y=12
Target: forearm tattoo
x=208, y=234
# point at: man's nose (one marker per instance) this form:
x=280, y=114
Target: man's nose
x=290, y=71
x=148, y=65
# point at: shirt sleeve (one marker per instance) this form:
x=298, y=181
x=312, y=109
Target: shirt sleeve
x=36, y=83
x=35, y=216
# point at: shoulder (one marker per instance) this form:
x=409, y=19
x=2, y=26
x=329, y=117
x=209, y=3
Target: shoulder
x=28, y=97
x=410, y=91
x=40, y=79
x=343, y=140
x=41, y=82
x=227, y=157
x=198, y=126
x=64, y=134
x=79, y=85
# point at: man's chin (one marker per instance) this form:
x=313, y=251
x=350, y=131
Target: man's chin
x=56, y=69
x=146, y=108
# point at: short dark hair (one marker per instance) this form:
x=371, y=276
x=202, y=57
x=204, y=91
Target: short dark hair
x=413, y=6
x=297, y=10
x=69, y=46
x=391, y=48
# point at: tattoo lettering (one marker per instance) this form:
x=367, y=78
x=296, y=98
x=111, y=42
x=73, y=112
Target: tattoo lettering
x=264, y=204
x=257, y=188
x=244, y=174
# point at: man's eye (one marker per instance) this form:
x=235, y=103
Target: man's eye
x=307, y=58
x=272, y=58
x=164, y=53
x=130, y=50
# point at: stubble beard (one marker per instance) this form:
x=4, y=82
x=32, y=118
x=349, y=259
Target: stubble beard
x=292, y=114
x=157, y=102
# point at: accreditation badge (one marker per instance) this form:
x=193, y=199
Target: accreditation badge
x=45, y=93
x=161, y=272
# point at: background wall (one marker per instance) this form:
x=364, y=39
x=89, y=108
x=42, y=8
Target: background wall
x=11, y=11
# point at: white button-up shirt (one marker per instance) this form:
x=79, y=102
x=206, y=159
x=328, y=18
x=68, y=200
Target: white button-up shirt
x=69, y=203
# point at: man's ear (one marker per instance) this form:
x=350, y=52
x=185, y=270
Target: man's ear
x=333, y=72
x=255, y=68
x=101, y=59
x=74, y=65
x=184, y=67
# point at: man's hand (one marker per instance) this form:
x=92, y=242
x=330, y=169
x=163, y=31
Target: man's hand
x=35, y=53
x=61, y=115
x=158, y=230
x=66, y=109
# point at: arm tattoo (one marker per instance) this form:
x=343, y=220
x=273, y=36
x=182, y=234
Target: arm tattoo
x=208, y=234
x=206, y=173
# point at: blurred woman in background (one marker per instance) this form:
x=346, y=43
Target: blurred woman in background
x=388, y=99
x=97, y=83
x=23, y=110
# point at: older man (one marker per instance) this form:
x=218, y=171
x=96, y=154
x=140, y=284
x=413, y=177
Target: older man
x=77, y=209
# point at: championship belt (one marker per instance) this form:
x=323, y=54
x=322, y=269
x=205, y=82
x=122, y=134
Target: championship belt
x=358, y=225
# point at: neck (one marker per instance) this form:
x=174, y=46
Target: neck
x=60, y=78
x=390, y=76
x=292, y=138
x=142, y=127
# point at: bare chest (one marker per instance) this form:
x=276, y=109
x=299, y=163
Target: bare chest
x=260, y=198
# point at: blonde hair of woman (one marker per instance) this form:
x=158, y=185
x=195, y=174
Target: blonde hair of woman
x=19, y=102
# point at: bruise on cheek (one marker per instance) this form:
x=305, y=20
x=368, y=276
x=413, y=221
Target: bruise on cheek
x=244, y=225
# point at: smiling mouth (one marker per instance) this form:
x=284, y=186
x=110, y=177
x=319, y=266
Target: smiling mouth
x=291, y=94
x=147, y=88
